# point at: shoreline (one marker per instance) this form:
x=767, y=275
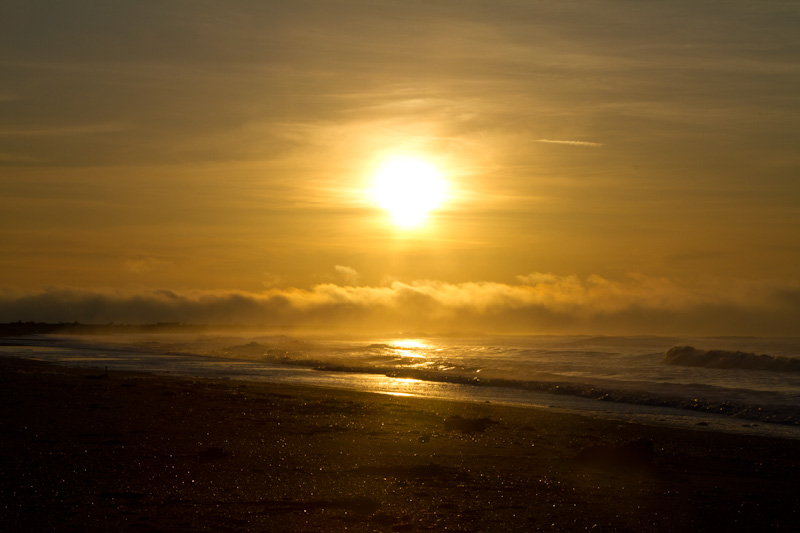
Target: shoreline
x=558, y=396
x=150, y=452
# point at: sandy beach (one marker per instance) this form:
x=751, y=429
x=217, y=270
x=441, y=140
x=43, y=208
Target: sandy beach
x=81, y=450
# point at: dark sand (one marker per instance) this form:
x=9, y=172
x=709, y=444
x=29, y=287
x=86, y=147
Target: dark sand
x=84, y=452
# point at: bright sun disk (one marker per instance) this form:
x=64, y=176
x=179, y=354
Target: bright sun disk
x=408, y=188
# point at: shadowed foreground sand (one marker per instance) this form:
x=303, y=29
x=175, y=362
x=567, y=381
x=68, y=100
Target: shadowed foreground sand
x=87, y=452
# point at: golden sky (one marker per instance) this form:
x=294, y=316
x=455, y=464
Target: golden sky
x=620, y=166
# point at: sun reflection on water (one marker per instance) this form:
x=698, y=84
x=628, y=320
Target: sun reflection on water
x=402, y=387
x=410, y=348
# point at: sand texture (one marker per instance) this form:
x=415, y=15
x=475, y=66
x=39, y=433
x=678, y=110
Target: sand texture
x=82, y=451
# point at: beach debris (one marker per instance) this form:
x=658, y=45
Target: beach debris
x=468, y=425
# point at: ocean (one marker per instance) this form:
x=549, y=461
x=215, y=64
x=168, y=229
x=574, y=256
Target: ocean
x=733, y=384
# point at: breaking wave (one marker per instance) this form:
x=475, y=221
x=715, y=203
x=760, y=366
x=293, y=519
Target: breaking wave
x=690, y=356
x=383, y=359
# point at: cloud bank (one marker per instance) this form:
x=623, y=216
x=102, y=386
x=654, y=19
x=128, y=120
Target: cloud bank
x=538, y=303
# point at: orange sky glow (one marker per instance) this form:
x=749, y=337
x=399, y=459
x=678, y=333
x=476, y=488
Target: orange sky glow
x=615, y=167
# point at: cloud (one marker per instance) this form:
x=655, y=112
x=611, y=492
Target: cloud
x=571, y=143
x=348, y=274
x=142, y=265
x=538, y=303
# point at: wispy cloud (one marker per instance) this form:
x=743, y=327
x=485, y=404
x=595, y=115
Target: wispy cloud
x=348, y=274
x=571, y=143
x=141, y=265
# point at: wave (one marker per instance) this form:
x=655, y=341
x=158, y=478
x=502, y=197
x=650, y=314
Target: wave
x=383, y=361
x=690, y=356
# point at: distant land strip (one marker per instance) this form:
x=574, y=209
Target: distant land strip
x=16, y=329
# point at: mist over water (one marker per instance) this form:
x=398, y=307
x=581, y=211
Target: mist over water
x=745, y=382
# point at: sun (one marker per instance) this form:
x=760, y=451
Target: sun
x=408, y=188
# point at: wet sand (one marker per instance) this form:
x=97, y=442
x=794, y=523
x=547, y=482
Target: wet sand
x=85, y=451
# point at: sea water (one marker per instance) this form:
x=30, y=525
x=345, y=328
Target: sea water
x=735, y=384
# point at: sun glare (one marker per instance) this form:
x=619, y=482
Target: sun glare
x=410, y=348
x=408, y=188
